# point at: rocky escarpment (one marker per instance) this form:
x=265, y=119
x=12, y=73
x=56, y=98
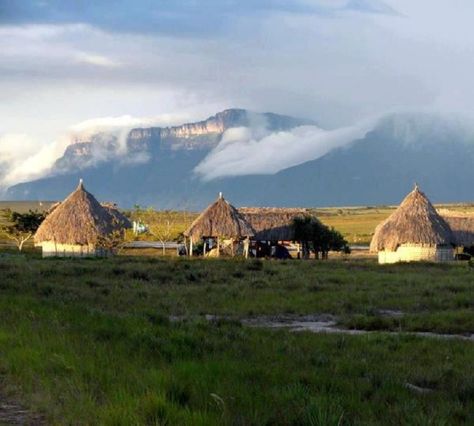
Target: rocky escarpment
x=376, y=169
x=206, y=134
x=80, y=154
x=199, y=136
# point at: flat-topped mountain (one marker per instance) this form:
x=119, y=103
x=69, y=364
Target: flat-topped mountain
x=202, y=135
x=158, y=168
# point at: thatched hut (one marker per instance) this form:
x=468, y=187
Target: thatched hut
x=77, y=227
x=414, y=232
x=220, y=221
x=275, y=231
x=119, y=219
x=273, y=223
x=462, y=228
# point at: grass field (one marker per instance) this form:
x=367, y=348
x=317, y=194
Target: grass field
x=91, y=342
x=357, y=225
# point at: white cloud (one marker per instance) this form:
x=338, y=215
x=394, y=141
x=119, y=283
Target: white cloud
x=97, y=60
x=14, y=145
x=244, y=151
x=25, y=158
x=21, y=158
x=127, y=121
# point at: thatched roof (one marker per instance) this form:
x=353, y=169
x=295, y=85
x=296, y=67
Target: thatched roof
x=79, y=219
x=271, y=223
x=462, y=228
x=120, y=219
x=415, y=221
x=220, y=219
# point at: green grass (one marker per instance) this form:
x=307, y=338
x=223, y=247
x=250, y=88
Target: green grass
x=90, y=342
x=355, y=291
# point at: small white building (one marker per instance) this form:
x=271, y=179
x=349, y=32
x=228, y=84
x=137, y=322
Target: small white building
x=79, y=226
x=414, y=232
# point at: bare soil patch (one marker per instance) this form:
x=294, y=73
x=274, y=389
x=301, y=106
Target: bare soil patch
x=13, y=413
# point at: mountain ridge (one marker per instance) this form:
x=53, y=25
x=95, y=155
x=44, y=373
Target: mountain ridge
x=200, y=135
x=379, y=168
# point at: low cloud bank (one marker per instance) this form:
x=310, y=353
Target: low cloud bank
x=245, y=151
x=22, y=158
x=241, y=151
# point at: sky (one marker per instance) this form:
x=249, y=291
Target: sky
x=81, y=64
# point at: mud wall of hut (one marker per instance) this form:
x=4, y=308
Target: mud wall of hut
x=413, y=253
x=52, y=249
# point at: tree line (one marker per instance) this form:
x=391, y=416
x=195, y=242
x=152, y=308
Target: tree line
x=318, y=238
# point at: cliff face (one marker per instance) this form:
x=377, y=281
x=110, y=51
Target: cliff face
x=84, y=152
x=376, y=169
x=76, y=154
x=190, y=136
x=199, y=136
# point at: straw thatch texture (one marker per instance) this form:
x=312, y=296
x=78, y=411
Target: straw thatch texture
x=462, y=228
x=120, y=220
x=415, y=221
x=273, y=224
x=220, y=219
x=78, y=220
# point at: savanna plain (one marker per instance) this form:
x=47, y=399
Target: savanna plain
x=168, y=341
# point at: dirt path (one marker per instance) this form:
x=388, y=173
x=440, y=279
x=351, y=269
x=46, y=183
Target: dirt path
x=325, y=324
x=12, y=413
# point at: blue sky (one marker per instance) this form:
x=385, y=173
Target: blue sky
x=197, y=18
x=71, y=64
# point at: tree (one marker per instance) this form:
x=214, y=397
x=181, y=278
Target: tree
x=20, y=227
x=304, y=231
x=115, y=241
x=317, y=237
x=162, y=227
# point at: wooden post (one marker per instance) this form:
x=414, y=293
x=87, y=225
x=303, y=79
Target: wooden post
x=246, y=247
x=204, y=248
x=218, y=247
x=191, y=246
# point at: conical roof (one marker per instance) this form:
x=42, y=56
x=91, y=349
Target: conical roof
x=79, y=219
x=120, y=220
x=416, y=221
x=220, y=219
